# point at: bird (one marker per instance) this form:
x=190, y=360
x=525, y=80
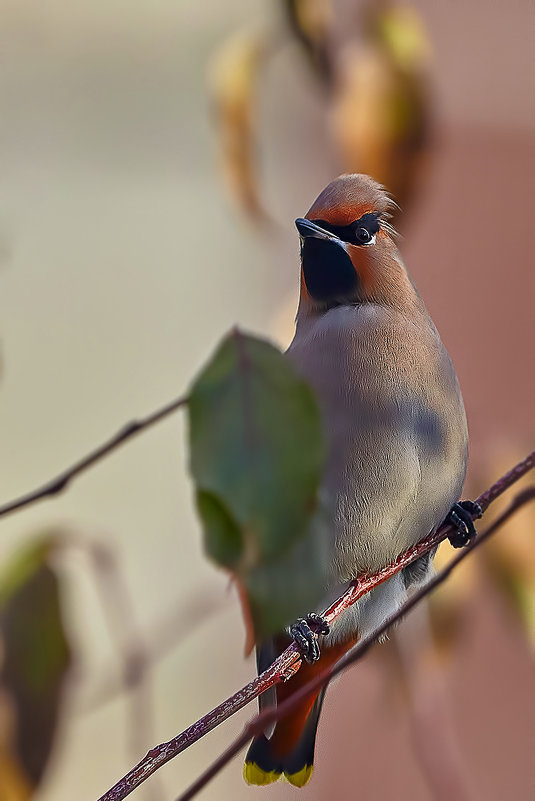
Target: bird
x=397, y=441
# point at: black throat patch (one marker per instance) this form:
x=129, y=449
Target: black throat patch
x=329, y=273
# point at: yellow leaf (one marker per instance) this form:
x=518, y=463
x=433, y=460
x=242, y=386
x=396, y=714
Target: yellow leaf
x=509, y=556
x=233, y=76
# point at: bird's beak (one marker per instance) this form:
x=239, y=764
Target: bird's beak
x=308, y=230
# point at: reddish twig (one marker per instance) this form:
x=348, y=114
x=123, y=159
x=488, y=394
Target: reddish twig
x=269, y=716
x=61, y=482
x=289, y=661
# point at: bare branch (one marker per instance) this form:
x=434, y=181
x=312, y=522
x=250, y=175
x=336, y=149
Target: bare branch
x=289, y=661
x=62, y=481
x=162, y=636
x=129, y=642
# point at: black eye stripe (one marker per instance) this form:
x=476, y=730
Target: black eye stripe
x=348, y=233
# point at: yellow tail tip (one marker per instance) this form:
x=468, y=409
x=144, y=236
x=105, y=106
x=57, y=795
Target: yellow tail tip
x=300, y=778
x=255, y=775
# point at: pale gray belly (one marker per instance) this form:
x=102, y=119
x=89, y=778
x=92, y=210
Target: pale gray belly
x=392, y=480
x=397, y=453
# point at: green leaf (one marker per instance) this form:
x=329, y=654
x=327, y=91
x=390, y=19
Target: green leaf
x=256, y=457
x=281, y=591
x=222, y=536
x=36, y=657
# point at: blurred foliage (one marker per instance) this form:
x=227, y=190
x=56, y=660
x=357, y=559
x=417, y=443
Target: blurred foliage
x=381, y=109
x=506, y=566
x=233, y=76
x=310, y=22
x=256, y=458
x=508, y=561
x=34, y=662
x=376, y=97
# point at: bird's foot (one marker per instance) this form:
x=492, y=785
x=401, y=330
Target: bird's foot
x=304, y=631
x=462, y=516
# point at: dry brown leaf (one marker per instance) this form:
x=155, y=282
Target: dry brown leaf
x=380, y=114
x=310, y=21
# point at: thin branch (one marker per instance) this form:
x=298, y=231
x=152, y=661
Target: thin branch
x=62, y=481
x=269, y=716
x=162, y=636
x=130, y=646
x=131, y=649
x=290, y=660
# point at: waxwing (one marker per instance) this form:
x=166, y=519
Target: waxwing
x=396, y=431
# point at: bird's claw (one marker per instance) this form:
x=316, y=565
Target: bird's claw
x=304, y=631
x=462, y=516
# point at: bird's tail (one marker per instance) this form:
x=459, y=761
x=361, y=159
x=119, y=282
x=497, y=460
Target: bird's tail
x=289, y=750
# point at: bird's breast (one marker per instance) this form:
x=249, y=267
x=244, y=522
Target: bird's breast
x=395, y=425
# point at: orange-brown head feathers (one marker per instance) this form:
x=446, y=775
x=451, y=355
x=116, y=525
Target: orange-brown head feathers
x=348, y=255
x=347, y=196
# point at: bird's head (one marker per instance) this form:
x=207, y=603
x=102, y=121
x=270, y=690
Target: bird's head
x=348, y=255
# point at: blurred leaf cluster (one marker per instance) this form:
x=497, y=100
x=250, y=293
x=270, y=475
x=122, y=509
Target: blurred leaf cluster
x=374, y=82
x=508, y=562
x=504, y=567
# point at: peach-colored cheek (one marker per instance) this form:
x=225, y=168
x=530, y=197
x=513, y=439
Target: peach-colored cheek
x=304, y=291
x=362, y=263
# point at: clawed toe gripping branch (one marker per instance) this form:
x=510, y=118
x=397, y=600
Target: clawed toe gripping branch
x=305, y=635
x=289, y=662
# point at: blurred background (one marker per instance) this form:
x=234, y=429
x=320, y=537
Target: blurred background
x=153, y=157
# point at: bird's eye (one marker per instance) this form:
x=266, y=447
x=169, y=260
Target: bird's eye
x=359, y=232
x=363, y=236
